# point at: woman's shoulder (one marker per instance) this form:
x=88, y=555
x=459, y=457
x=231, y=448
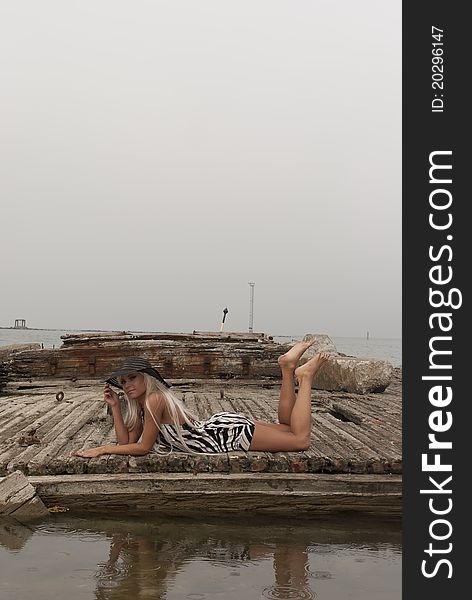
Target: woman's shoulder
x=156, y=401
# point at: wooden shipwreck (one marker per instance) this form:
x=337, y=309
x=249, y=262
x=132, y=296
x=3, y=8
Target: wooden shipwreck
x=52, y=404
x=197, y=355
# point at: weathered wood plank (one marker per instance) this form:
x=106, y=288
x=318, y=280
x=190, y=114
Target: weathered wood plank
x=382, y=446
x=43, y=423
x=54, y=458
x=18, y=498
x=73, y=339
x=88, y=436
x=204, y=406
x=23, y=414
x=99, y=464
x=380, y=433
x=363, y=448
x=337, y=446
x=358, y=456
x=55, y=437
x=106, y=463
x=354, y=443
x=374, y=405
x=276, y=494
x=17, y=415
x=335, y=455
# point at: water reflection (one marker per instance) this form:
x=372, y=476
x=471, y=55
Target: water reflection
x=136, y=567
x=291, y=571
x=13, y=534
x=145, y=567
x=176, y=559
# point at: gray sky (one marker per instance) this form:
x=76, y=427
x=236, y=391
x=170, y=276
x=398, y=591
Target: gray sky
x=156, y=156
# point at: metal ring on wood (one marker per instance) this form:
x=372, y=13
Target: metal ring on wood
x=60, y=396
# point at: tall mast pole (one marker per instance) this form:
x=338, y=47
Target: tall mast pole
x=251, y=306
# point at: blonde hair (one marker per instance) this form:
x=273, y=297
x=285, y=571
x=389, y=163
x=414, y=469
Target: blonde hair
x=175, y=408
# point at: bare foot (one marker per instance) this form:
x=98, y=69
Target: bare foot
x=290, y=359
x=312, y=366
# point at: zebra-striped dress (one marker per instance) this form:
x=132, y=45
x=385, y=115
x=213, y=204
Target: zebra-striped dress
x=222, y=432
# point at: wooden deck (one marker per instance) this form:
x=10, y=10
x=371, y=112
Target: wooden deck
x=355, y=453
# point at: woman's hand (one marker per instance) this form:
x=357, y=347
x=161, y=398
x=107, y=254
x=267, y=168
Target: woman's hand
x=90, y=453
x=110, y=396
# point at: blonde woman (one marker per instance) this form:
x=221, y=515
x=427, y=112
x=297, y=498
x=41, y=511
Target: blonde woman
x=156, y=420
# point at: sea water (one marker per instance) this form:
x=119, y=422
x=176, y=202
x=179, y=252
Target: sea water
x=389, y=349
x=117, y=558
x=380, y=348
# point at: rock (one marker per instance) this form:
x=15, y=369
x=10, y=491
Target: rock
x=356, y=375
x=347, y=373
x=18, y=498
x=322, y=343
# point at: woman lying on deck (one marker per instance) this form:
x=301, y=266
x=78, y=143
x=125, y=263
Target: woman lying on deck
x=158, y=421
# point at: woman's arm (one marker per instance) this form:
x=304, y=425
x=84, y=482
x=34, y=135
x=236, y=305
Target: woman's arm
x=123, y=436
x=144, y=446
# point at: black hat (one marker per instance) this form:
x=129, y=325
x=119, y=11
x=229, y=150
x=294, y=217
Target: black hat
x=132, y=364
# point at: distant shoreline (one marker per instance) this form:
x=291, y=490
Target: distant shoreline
x=149, y=331
x=58, y=329
x=66, y=329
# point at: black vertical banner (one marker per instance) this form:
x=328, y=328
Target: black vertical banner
x=436, y=328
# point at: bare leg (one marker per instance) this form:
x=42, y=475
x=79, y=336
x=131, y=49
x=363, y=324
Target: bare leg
x=279, y=426
x=270, y=439
x=288, y=363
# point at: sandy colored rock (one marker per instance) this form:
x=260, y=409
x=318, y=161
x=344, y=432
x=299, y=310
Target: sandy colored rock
x=347, y=373
x=322, y=343
x=355, y=375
